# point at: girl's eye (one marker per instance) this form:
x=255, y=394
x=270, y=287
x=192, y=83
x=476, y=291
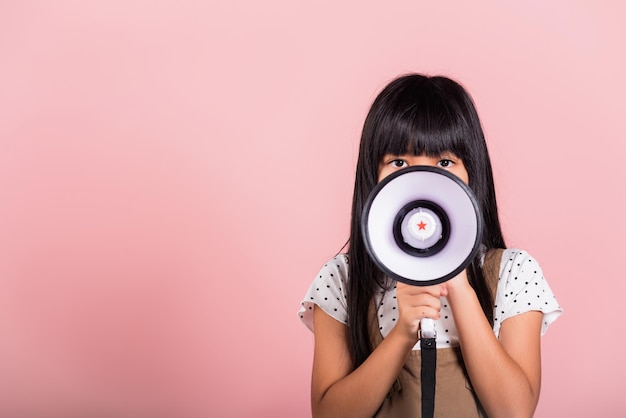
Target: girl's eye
x=398, y=163
x=445, y=163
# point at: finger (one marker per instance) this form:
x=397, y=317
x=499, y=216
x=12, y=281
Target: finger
x=421, y=303
x=421, y=312
x=436, y=290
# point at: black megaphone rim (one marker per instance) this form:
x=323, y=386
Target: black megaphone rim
x=365, y=228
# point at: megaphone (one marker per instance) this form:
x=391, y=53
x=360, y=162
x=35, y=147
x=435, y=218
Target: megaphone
x=422, y=226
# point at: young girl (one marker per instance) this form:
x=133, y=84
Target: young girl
x=489, y=318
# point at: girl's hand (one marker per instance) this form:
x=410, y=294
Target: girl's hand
x=415, y=303
x=458, y=283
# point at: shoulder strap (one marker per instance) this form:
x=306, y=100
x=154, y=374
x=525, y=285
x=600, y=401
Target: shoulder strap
x=491, y=268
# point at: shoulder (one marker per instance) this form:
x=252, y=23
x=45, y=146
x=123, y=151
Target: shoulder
x=328, y=291
x=522, y=287
x=517, y=262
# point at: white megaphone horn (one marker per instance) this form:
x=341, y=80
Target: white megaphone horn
x=422, y=226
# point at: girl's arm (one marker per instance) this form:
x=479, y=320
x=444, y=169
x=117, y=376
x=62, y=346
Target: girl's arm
x=505, y=372
x=339, y=391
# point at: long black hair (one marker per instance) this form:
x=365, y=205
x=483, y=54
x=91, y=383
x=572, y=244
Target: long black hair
x=416, y=114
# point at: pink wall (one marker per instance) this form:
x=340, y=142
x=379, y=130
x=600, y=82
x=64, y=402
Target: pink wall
x=173, y=174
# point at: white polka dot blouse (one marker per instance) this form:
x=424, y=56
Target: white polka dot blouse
x=521, y=288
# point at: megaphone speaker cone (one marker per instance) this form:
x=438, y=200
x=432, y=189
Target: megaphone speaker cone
x=421, y=228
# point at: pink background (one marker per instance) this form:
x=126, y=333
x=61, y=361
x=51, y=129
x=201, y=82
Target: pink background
x=174, y=173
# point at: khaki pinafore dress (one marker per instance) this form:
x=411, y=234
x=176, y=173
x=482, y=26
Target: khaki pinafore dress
x=454, y=395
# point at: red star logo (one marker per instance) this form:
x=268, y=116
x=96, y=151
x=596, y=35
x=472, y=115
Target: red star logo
x=421, y=225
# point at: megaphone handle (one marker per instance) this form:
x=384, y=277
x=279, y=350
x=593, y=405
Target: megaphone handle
x=427, y=328
x=428, y=374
